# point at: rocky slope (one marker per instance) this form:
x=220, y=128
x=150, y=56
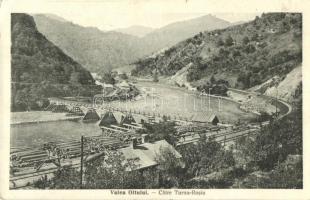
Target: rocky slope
x=288, y=89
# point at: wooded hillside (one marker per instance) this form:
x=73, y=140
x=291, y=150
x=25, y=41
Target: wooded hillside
x=40, y=69
x=244, y=55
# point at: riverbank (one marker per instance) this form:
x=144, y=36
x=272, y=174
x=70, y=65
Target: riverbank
x=39, y=117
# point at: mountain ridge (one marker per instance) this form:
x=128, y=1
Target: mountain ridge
x=173, y=33
x=91, y=47
x=135, y=30
x=100, y=51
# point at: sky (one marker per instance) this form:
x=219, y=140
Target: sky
x=108, y=22
x=113, y=14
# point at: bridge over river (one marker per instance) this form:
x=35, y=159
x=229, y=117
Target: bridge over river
x=165, y=104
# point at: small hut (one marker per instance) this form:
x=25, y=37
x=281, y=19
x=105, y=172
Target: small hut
x=91, y=115
x=108, y=119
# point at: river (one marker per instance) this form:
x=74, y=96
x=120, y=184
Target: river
x=170, y=100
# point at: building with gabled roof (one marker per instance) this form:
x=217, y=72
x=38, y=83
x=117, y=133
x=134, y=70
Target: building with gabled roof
x=145, y=154
x=206, y=118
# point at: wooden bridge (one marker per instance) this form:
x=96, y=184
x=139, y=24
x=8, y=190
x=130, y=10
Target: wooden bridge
x=100, y=108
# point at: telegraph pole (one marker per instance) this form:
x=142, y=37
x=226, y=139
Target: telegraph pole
x=209, y=99
x=219, y=98
x=82, y=153
x=277, y=102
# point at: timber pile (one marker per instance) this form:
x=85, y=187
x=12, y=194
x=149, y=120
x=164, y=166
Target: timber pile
x=51, y=152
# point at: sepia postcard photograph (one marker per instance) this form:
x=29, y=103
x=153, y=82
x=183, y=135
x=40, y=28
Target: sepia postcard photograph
x=153, y=99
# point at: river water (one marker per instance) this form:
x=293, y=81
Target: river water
x=169, y=100
x=35, y=134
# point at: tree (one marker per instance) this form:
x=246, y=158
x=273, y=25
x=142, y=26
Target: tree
x=236, y=53
x=212, y=80
x=284, y=27
x=170, y=168
x=123, y=76
x=205, y=157
x=250, y=48
x=245, y=40
x=155, y=77
x=275, y=142
x=229, y=41
x=160, y=131
x=108, y=78
x=111, y=171
x=220, y=42
x=283, y=176
x=66, y=178
x=255, y=37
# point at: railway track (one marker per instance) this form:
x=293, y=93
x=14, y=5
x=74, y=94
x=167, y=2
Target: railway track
x=222, y=138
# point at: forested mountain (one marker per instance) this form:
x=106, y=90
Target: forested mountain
x=100, y=51
x=96, y=50
x=244, y=55
x=40, y=69
x=173, y=33
x=136, y=30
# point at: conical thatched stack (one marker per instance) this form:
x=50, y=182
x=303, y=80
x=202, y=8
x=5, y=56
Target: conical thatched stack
x=108, y=119
x=128, y=119
x=91, y=115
